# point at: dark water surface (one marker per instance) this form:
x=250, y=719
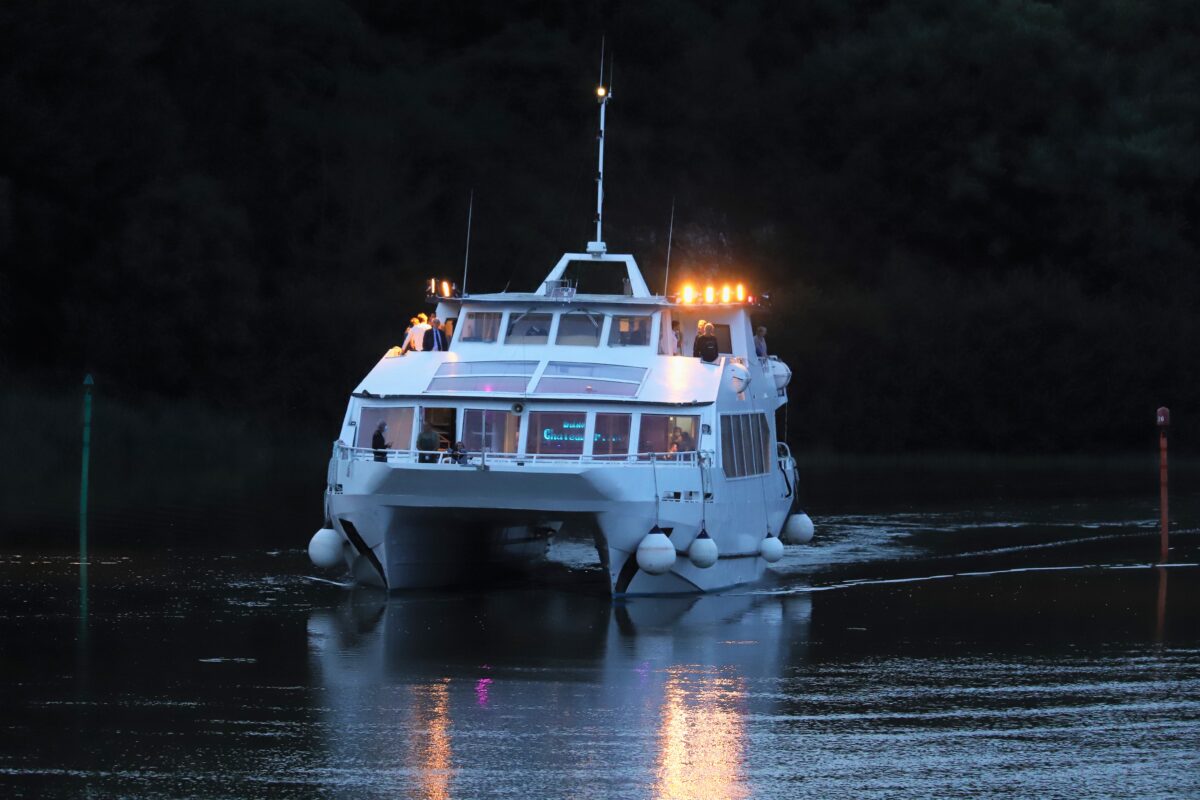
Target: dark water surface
x=1016, y=650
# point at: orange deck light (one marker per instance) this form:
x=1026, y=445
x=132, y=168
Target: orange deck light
x=689, y=293
x=726, y=294
x=709, y=294
x=445, y=288
x=741, y=292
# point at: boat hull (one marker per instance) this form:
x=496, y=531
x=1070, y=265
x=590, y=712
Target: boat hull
x=434, y=525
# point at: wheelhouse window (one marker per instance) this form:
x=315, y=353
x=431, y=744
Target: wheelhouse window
x=399, y=426
x=528, y=329
x=629, y=331
x=611, y=437
x=580, y=330
x=668, y=434
x=480, y=326
x=556, y=432
x=724, y=339
x=745, y=445
x=482, y=376
x=491, y=430
x=563, y=377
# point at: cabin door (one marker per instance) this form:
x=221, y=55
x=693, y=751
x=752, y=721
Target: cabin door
x=443, y=422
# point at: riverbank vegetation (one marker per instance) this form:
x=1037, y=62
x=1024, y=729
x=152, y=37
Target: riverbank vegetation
x=978, y=219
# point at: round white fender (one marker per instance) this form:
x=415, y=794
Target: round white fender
x=799, y=529
x=655, y=553
x=739, y=377
x=325, y=548
x=703, y=550
x=771, y=549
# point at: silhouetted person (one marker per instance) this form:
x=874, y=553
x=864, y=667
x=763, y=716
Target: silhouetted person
x=696, y=342
x=378, y=444
x=707, y=349
x=427, y=444
x=458, y=453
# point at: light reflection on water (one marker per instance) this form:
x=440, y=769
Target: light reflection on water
x=702, y=738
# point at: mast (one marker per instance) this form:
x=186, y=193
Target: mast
x=603, y=95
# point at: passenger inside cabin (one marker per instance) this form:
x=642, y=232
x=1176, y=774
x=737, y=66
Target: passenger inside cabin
x=427, y=445
x=458, y=453
x=379, y=443
x=706, y=347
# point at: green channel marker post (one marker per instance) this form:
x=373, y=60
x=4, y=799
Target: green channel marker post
x=83, y=498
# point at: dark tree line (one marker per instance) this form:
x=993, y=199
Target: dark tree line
x=978, y=217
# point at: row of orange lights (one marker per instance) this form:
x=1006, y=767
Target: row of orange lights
x=728, y=294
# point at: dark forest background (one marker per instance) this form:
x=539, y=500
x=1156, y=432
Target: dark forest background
x=977, y=217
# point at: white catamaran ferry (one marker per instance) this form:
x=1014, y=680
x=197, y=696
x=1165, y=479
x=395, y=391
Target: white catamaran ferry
x=580, y=408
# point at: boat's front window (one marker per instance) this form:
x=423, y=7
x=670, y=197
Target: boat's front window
x=612, y=434
x=668, y=433
x=562, y=377
x=482, y=376
x=556, y=432
x=582, y=330
x=495, y=431
x=480, y=326
x=397, y=427
x=528, y=329
x=629, y=331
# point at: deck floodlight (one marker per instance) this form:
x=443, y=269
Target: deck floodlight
x=689, y=293
x=726, y=294
x=709, y=294
x=741, y=292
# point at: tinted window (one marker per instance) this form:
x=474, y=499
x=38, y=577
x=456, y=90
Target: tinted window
x=612, y=434
x=399, y=421
x=556, y=432
x=480, y=326
x=629, y=331
x=498, y=431
x=579, y=329
x=668, y=434
x=528, y=329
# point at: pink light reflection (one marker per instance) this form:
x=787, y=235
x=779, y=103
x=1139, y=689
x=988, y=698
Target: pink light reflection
x=481, y=691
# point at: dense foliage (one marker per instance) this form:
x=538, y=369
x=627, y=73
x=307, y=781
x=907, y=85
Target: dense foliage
x=978, y=216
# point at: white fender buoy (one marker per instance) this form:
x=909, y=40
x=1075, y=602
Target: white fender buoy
x=655, y=553
x=771, y=549
x=739, y=377
x=325, y=548
x=703, y=550
x=799, y=529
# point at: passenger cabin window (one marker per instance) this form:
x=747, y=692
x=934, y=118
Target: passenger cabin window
x=556, y=432
x=629, y=331
x=611, y=438
x=581, y=330
x=745, y=445
x=562, y=377
x=481, y=326
x=482, y=376
x=668, y=434
x=528, y=329
x=399, y=421
x=495, y=431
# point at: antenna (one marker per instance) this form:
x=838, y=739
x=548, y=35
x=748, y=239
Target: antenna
x=467, y=256
x=670, y=235
x=603, y=95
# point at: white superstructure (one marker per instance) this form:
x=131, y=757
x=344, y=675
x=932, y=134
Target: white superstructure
x=576, y=411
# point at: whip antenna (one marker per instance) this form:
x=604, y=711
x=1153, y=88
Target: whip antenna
x=670, y=234
x=467, y=255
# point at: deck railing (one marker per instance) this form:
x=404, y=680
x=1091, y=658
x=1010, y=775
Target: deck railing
x=478, y=458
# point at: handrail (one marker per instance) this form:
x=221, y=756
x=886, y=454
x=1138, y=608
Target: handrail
x=475, y=457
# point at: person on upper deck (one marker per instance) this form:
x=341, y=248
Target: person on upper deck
x=760, y=342
x=435, y=338
x=706, y=347
x=416, y=335
x=696, y=342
